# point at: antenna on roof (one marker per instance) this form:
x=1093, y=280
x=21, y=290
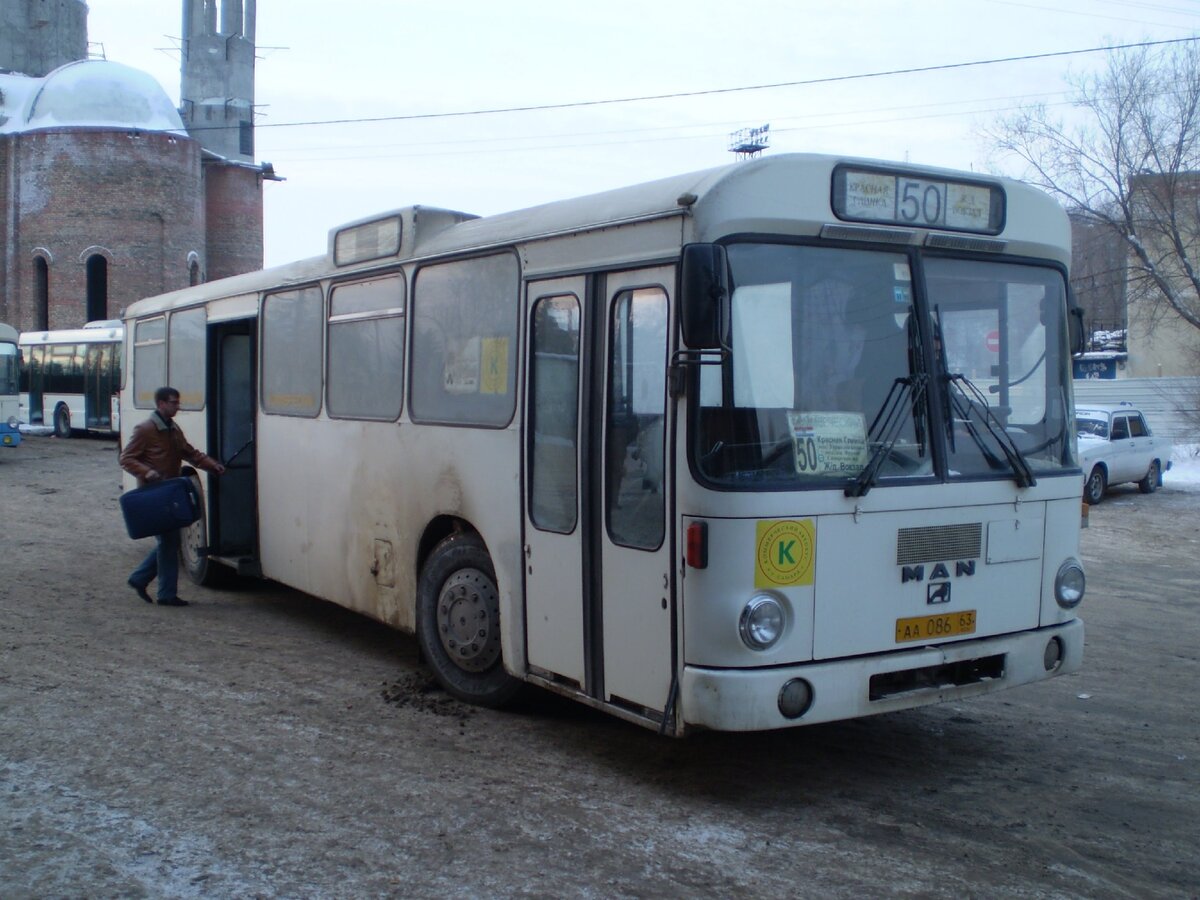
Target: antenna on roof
x=749, y=142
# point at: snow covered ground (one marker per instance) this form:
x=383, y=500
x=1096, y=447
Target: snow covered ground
x=1184, y=473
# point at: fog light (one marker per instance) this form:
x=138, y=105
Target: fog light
x=1052, y=658
x=1069, y=584
x=795, y=698
x=761, y=623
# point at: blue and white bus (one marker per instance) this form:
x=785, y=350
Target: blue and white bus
x=71, y=379
x=10, y=433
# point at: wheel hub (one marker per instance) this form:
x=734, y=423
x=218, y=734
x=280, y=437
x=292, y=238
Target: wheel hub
x=468, y=614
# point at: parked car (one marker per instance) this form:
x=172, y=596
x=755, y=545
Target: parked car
x=1116, y=446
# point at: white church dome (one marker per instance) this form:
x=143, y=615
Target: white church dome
x=95, y=93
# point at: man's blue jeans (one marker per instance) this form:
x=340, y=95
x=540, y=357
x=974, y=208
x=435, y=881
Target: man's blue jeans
x=162, y=562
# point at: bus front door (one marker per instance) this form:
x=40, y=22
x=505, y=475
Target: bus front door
x=98, y=386
x=233, y=528
x=599, y=595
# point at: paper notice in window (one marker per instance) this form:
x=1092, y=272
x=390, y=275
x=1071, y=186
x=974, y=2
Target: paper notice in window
x=460, y=373
x=828, y=443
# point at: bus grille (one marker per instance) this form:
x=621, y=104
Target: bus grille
x=934, y=543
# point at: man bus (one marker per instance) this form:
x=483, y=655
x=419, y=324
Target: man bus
x=746, y=448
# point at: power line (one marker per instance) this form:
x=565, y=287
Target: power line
x=832, y=79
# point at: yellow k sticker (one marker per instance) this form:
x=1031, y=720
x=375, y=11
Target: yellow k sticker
x=785, y=553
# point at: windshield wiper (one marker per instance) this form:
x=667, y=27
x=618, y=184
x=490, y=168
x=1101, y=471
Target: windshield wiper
x=966, y=400
x=887, y=427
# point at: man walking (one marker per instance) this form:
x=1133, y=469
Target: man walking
x=156, y=450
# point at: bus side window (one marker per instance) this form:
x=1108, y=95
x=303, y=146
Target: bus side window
x=366, y=349
x=293, y=324
x=464, y=345
x=554, y=414
x=150, y=360
x=636, y=412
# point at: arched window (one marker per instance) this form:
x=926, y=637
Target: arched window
x=41, y=293
x=193, y=273
x=97, y=288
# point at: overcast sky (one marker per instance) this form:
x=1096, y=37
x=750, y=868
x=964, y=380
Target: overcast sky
x=353, y=59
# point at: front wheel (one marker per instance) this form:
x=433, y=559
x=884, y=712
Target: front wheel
x=458, y=622
x=193, y=544
x=62, y=422
x=1152, y=481
x=1093, y=491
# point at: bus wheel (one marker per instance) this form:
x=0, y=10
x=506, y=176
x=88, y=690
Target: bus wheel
x=62, y=422
x=458, y=622
x=193, y=544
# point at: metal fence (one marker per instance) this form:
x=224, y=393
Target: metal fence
x=1171, y=405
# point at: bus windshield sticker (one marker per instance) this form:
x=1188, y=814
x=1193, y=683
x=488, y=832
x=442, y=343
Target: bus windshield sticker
x=828, y=442
x=494, y=366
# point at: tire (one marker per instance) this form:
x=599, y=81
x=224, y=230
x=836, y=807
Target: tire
x=62, y=422
x=1093, y=490
x=1152, y=479
x=193, y=545
x=458, y=622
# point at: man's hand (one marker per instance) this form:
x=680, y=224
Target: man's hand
x=153, y=475
x=219, y=468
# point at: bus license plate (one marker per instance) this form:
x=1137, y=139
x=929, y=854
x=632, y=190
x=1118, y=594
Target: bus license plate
x=924, y=628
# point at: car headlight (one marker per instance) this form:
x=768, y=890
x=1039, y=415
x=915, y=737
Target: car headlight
x=761, y=623
x=1069, y=584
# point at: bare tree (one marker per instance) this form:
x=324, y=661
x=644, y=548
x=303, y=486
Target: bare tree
x=1128, y=161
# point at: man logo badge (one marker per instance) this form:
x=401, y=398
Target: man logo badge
x=938, y=592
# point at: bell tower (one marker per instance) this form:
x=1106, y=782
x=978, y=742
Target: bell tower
x=217, y=91
x=38, y=36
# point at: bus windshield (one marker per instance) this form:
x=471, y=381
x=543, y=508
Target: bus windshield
x=827, y=380
x=8, y=368
x=822, y=370
x=1005, y=364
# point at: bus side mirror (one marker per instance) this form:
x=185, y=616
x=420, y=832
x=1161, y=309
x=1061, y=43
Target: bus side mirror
x=1075, y=329
x=704, y=293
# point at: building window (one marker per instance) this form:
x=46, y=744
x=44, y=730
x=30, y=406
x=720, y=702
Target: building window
x=41, y=292
x=246, y=138
x=193, y=273
x=97, y=288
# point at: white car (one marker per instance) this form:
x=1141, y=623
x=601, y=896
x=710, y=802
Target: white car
x=1116, y=446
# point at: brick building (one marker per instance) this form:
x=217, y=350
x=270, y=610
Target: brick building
x=105, y=194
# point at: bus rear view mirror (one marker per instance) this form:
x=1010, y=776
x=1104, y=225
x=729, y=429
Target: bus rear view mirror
x=704, y=292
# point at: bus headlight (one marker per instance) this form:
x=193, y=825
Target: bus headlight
x=1069, y=584
x=761, y=624
x=12, y=422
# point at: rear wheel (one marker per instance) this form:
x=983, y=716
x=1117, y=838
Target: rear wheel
x=1153, y=479
x=458, y=622
x=62, y=422
x=1093, y=491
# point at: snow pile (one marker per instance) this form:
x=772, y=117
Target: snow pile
x=1184, y=473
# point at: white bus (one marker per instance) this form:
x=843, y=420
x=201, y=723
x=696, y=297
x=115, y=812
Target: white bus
x=70, y=378
x=10, y=431
x=783, y=442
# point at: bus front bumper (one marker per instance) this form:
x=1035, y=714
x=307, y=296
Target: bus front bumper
x=748, y=699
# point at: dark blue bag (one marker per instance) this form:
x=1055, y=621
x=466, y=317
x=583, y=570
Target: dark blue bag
x=160, y=506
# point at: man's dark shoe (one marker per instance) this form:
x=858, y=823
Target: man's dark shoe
x=172, y=601
x=141, y=591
